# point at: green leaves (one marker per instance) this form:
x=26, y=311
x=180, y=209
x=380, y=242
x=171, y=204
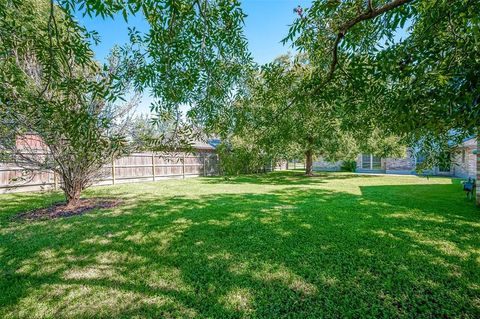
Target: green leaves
x=193, y=53
x=52, y=88
x=281, y=119
x=410, y=71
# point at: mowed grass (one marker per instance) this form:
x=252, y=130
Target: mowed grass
x=266, y=246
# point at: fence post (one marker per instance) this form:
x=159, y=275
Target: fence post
x=183, y=166
x=113, y=171
x=204, y=165
x=294, y=164
x=55, y=180
x=153, y=166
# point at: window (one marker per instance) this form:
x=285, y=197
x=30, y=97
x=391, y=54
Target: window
x=376, y=162
x=444, y=167
x=463, y=155
x=372, y=162
x=366, y=161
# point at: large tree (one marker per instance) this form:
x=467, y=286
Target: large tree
x=192, y=53
x=413, y=65
x=286, y=121
x=419, y=58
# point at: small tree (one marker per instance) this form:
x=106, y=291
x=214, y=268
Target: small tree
x=241, y=155
x=74, y=143
x=57, y=110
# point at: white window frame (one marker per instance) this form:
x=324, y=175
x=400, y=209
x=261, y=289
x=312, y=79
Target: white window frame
x=371, y=162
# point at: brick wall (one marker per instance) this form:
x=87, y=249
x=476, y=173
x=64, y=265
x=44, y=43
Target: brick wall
x=321, y=164
x=404, y=165
x=478, y=175
x=464, y=162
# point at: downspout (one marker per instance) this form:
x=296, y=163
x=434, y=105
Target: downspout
x=478, y=173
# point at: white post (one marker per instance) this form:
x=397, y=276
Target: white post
x=204, y=165
x=113, y=171
x=153, y=166
x=183, y=166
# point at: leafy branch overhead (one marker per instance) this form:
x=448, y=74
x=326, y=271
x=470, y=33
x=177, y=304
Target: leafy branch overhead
x=194, y=51
x=409, y=66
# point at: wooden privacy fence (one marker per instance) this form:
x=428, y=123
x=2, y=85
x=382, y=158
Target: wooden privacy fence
x=136, y=167
x=295, y=164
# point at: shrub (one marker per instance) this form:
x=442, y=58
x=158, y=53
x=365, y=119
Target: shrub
x=349, y=166
x=240, y=158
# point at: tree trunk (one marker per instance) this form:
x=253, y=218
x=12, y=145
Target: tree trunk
x=72, y=197
x=309, y=163
x=72, y=191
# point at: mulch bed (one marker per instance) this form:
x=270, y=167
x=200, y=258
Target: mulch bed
x=60, y=210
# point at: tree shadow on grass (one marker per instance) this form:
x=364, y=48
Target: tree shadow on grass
x=289, y=253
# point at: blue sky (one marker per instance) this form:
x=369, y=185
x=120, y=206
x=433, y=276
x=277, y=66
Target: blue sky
x=266, y=25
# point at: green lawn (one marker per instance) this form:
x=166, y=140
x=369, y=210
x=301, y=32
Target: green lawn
x=277, y=245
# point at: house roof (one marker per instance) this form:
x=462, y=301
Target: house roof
x=199, y=145
x=468, y=139
x=214, y=142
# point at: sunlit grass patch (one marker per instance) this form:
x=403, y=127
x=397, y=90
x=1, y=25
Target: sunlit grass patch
x=258, y=246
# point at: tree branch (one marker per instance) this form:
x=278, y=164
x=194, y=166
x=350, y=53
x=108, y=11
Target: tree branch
x=367, y=15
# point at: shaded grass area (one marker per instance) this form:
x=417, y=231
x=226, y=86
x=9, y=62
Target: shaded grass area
x=276, y=245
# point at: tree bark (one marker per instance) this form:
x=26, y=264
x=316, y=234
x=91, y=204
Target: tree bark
x=369, y=14
x=72, y=199
x=72, y=191
x=309, y=163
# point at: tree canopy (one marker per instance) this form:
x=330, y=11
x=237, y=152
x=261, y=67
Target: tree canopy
x=400, y=68
x=194, y=52
x=412, y=65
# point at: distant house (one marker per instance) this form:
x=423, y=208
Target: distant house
x=30, y=141
x=463, y=163
x=202, y=147
x=214, y=142
x=465, y=160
